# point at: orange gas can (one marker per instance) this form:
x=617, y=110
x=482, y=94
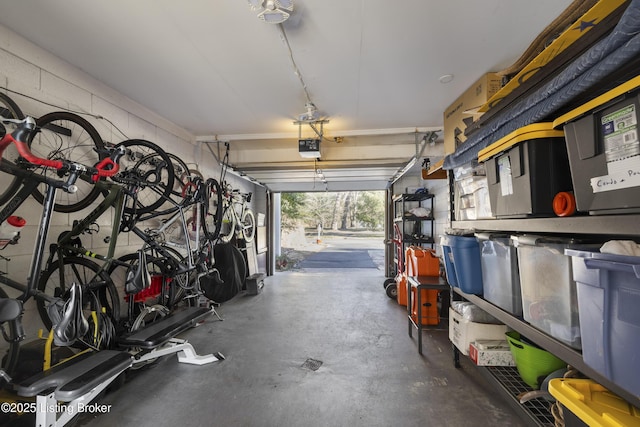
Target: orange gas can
x=422, y=262
x=401, y=282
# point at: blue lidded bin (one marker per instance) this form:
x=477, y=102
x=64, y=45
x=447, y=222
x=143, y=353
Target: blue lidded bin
x=608, y=288
x=449, y=266
x=466, y=258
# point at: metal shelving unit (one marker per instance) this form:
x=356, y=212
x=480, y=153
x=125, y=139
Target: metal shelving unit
x=598, y=226
x=401, y=204
x=614, y=225
x=537, y=411
x=559, y=349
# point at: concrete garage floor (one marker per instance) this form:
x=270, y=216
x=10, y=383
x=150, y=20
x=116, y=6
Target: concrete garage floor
x=370, y=374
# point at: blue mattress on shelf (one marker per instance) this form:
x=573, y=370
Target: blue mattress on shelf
x=621, y=46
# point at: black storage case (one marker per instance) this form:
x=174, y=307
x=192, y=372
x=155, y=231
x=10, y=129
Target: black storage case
x=525, y=170
x=604, y=151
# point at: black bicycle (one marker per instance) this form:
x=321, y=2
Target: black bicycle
x=67, y=326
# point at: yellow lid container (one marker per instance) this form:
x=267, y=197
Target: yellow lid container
x=525, y=133
x=594, y=404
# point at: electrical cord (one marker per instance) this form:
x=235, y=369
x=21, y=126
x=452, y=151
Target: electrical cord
x=102, y=331
x=296, y=70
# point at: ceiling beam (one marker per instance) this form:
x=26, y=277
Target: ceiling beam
x=328, y=134
x=321, y=164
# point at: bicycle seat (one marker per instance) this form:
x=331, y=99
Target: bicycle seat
x=10, y=309
x=67, y=319
x=138, y=277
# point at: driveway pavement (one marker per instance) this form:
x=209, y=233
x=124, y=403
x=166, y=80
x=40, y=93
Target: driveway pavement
x=347, y=252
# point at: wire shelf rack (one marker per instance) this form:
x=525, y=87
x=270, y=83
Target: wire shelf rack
x=537, y=409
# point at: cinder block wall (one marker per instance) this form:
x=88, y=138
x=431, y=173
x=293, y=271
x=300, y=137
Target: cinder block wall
x=41, y=83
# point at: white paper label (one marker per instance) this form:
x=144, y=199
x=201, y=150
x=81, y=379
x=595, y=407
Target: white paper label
x=619, y=180
x=504, y=171
x=622, y=151
x=620, y=137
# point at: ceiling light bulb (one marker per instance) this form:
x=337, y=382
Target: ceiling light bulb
x=270, y=5
x=446, y=78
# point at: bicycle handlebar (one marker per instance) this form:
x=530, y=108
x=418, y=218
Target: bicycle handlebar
x=105, y=168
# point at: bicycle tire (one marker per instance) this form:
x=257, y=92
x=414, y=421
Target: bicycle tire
x=158, y=265
x=82, y=271
x=193, y=173
x=9, y=110
x=66, y=135
x=227, y=224
x=149, y=168
x=248, y=224
x=183, y=283
x=181, y=177
x=211, y=212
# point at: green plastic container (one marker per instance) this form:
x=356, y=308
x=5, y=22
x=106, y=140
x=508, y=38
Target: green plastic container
x=533, y=363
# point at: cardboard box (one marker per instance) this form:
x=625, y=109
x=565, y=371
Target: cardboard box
x=462, y=332
x=465, y=108
x=491, y=353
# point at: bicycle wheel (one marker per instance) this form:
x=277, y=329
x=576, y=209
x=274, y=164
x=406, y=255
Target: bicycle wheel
x=65, y=135
x=227, y=224
x=211, y=212
x=148, y=169
x=9, y=184
x=248, y=224
x=87, y=273
x=181, y=177
x=163, y=266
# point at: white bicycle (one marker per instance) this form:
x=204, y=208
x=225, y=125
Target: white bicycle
x=238, y=220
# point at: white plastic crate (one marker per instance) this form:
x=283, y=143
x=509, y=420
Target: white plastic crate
x=463, y=332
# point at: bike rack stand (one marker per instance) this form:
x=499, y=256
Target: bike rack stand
x=184, y=350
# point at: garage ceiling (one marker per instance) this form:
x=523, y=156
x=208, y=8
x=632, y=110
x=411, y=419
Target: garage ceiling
x=371, y=68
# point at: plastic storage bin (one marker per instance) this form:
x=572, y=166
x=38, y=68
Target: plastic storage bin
x=609, y=301
x=462, y=332
x=471, y=193
x=532, y=362
x=525, y=170
x=500, y=277
x=603, y=147
x=590, y=404
x=449, y=266
x=466, y=260
x=549, y=297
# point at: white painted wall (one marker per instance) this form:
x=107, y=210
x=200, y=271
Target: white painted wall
x=438, y=187
x=41, y=83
